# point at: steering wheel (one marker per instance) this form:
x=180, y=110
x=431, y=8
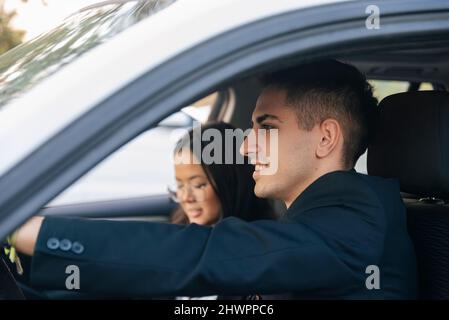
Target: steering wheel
x=9, y=288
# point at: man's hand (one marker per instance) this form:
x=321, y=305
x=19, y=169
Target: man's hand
x=26, y=236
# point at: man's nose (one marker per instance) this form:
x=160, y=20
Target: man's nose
x=249, y=144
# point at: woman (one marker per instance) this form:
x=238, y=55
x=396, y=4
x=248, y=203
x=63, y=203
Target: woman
x=209, y=192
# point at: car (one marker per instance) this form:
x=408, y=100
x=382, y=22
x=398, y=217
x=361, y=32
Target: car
x=110, y=73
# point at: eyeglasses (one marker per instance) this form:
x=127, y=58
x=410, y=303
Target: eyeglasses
x=178, y=192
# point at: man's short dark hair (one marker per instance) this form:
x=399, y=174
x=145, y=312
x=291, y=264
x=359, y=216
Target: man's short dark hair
x=331, y=89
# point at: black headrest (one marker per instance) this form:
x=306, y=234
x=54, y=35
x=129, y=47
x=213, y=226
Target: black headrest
x=412, y=142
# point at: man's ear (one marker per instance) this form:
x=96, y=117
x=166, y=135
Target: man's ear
x=330, y=135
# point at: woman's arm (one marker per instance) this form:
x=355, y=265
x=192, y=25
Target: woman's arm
x=24, y=239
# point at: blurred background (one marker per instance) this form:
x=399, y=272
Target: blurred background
x=22, y=20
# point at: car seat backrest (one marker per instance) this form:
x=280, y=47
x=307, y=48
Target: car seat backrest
x=412, y=144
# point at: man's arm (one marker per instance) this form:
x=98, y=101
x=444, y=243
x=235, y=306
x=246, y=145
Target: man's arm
x=140, y=259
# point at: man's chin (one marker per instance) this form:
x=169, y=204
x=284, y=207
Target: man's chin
x=260, y=190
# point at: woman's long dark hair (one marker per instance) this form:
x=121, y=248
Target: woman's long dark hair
x=232, y=183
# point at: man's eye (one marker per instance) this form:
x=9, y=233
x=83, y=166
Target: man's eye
x=267, y=126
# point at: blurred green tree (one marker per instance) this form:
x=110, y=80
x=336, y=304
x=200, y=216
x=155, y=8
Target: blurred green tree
x=9, y=36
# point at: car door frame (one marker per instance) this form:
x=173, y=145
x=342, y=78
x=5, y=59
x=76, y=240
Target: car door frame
x=312, y=32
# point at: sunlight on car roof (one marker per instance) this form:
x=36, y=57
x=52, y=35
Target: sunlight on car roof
x=26, y=65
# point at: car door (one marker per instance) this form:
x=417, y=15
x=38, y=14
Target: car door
x=245, y=48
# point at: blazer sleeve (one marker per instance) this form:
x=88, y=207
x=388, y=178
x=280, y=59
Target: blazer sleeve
x=325, y=248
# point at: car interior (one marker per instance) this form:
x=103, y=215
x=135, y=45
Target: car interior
x=412, y=144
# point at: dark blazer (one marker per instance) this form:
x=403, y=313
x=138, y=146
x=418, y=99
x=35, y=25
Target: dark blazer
x=8, y=286
x=340, y=225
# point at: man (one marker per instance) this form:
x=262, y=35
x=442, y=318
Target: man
x=343, y=235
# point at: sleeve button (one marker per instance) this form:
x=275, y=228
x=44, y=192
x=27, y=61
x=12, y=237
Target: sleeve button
x=53, y=244
x=65, y=245
x=77, y=248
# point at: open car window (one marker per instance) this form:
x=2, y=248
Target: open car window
x=142, y=167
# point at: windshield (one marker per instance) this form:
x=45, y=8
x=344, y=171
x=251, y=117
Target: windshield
x=28, y=64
